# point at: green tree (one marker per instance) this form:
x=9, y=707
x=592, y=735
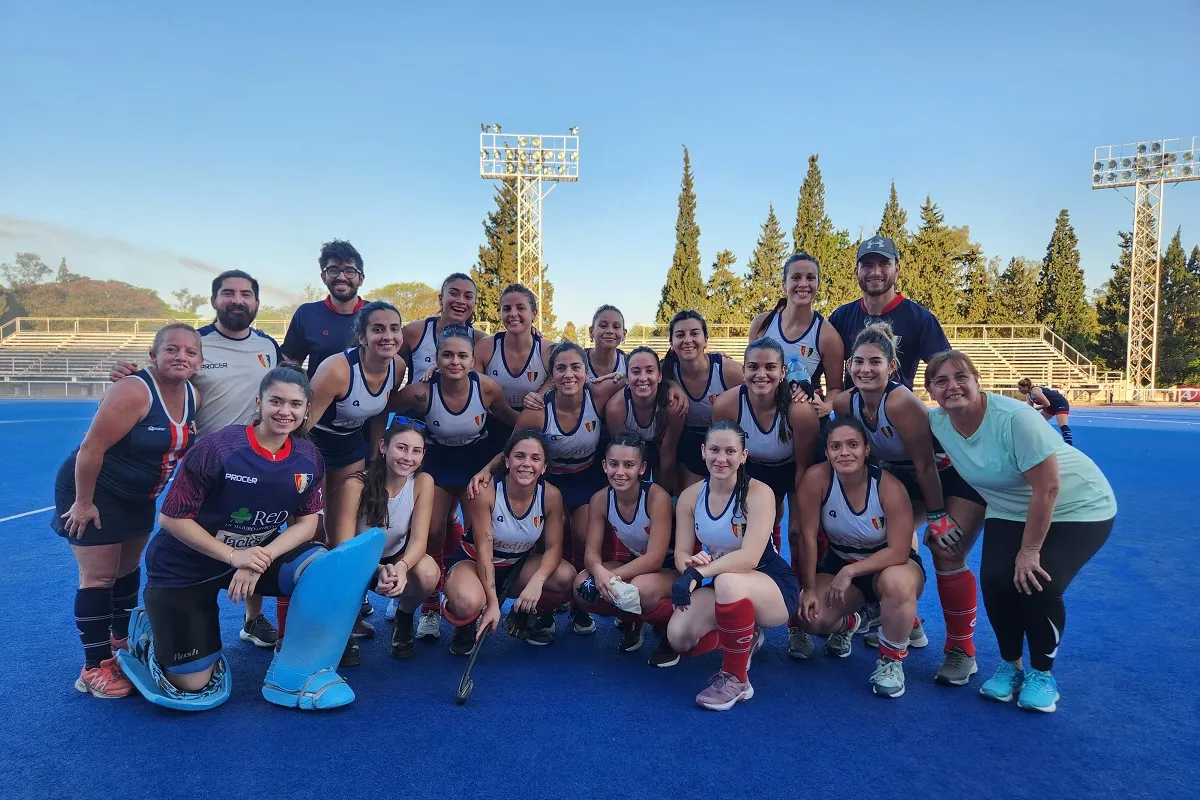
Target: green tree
x=570, y=332
x=838, y=283
x=64, y=274
x=1062, y=304
x=725, y=293
x=1017, y=293
x=684, y=287
x=1179, y=316
x=762, y=285
x=185, y=301
x=977, y=296
x=28, y=271
x=414, y=298
x=1112, y=309
x=90, y=298
x=934, y=262
x=894, y=224
x=813, y=232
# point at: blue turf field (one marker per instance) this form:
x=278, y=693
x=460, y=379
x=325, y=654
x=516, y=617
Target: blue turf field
x=580, y=719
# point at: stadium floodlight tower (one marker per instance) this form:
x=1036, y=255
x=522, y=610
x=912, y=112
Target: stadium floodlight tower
x=538, y=163
x=1148, y=167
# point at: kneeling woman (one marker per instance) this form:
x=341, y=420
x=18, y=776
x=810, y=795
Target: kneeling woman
x=865, y=514
x=505, y=521
x=221, y=531
x=628, y=542
x=395, y=495
x=731, y=515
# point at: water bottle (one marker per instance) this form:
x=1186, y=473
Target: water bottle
x=798, y=375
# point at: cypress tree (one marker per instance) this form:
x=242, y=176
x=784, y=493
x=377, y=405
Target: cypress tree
x=1017, y=293
x=979, y=279
x=931, y=270
x=1179, y=316
x=813, y=232
x=725, y=293
x=838, y=284
x=1063, y=305
x=684, y=287
x=894, y=224
x=1112, y=309
x=763, y=284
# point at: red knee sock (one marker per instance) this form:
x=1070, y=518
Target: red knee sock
x=898, y=652
x=708, y=642
x=454, y=537
x=735, y=623
x=660, y=615
x=432, y=603
x=957, y=591
x=281, y=609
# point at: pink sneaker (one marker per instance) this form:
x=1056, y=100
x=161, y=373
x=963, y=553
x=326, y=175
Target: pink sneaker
x=723, y=692
x=118, y=644
x=106, y=681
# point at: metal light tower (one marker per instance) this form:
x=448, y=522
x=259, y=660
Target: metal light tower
x=537, y=163
x=1148, y=167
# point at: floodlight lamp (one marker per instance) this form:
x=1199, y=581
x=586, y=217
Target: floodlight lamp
x=1125, y=163
x=561, y=155
x=574, y=156
x=496, y=154
x=1171, y=158
x=1112, y=163
x=510, y=169
x=483, y=127
x=537, y=142
x=1187, y=171
x=1187, y=156
x=508, y=154
x=1156, y=146
x=574, y=129
x=1112, y=176
x=1097, y=178
x=562, y=170
x=1099, y=165
x=521, y=140
x=1125, y=175
x=495, y=127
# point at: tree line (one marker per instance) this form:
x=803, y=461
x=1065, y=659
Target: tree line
x=943, y=269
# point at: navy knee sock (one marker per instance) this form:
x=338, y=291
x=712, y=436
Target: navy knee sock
x=1066, y=434
x=124, y=601
x=93, y=617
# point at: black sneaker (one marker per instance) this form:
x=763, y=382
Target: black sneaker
x=366, y=609
x=363, y=629
x=464, y=639
x=544, y=621
x=351, y=656
x=404, y=643
x=582, y=622
x=632, y=633
x=522, y=625
x=259, y=632
x=664, y=655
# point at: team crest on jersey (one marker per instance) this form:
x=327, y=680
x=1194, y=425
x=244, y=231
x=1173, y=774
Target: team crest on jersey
x=530, y=376
x=712, y=398
x=191, y=427
x=878, y=523
x=738, y=528
x=537, y=521
x=590, y=425
x=265, y=360
x=886, y=430
x=303, y=480
x=805, y=351
x=647, y=530
x=479, y=419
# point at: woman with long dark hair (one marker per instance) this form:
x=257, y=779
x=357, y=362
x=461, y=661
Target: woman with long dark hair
x=518, y=344
x=644, y=407
x=456, y=308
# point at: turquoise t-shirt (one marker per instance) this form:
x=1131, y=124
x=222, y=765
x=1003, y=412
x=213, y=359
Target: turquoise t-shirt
x=1013, y=439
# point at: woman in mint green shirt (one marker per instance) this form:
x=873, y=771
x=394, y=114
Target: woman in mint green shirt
x=1049, y=510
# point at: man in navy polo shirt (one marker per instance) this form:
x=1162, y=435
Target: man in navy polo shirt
x=321, y=329
x=919, y=335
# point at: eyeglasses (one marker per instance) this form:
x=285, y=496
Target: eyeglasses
x=393, y=419
x=335, y=272
x=943, y=381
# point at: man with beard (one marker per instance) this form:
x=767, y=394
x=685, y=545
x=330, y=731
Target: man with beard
x=321, y=329
x=236, y=357
x=919, y=335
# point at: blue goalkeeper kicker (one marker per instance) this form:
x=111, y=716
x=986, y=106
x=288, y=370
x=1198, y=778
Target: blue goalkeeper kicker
x=142, y=669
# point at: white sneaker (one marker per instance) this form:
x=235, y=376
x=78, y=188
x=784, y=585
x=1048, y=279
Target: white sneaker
x=430, y=626
x=392, y=607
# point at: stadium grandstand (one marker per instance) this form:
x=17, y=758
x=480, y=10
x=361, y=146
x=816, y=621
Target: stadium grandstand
x=71, y=357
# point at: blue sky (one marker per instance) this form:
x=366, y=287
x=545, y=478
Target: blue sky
x=245, y=134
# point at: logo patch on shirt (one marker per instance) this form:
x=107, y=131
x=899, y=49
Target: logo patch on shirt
x=240, y=517
x=805, y=351
x=886, y=430
x=230, y=476
x=590, y=425
x=265, y=360
x=479, y=419
x=531, y=376
x=712, y=398
x=738, y=528
x=537, y=521
x=878, y=523
x=303, y=480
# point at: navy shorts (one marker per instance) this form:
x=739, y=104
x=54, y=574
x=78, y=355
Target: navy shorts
x=340, y=449
x=953, y=485
x=453, y=467
x=774, y=567
x=780, y=477
x=498, y=435
x=121, y=518
x=501, y=572
x=578, y=487
x=690, y=452
x=832, y=564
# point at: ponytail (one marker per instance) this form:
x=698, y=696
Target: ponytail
x=774, y=312
x=742, y=483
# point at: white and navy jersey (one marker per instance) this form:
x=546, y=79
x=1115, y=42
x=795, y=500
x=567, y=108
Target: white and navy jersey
x=621, y=365
x=633, y=533
x=854, y=535
x=424, y=356
x=399, y=519
x=229, y=377
x=764, y=445
x=806, y=347
x=348, y=413
x=700, y=409
x=1055, y=399
x=884, y=439
x=529, y=378
x=722, y=533
x=647, y=431
x=456, y=429
x=573, y=450
x=512, y=536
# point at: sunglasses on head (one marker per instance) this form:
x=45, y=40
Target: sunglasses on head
x=393, y=419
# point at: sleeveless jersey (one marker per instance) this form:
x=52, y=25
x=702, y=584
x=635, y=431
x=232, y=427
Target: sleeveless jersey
x=574, y=450
x=348, y=413
x=885, y=442
x=456, y=429
x=424, y=356
x=621, y=365
x=399, y=519
x=139, y=465
x=699, y=413
x=723, y=533
x=632, y=423
x=805, y=347
x=528, y=378
x=854, y=535
x=764, y=446
x=512, y=536
x=634, y=533
x=1054, y=398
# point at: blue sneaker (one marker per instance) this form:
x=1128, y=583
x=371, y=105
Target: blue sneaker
x=1040, y=692
x=1004, y=684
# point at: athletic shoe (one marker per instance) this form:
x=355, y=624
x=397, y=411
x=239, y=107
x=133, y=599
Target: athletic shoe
x=1040, y=692
x=106, y=681
x=664, y=655
x=723, y=692
x=888, y=678
x=116, y=644
x=916, y=638
x=521, y=625
x=259, y=632
x=430, y=626
x=633, y=632
x=403, y=642
x=464, y=639
x=799, y=644
x=367, y=609
x=838, y=645
x=351, y=656
x=392, y=607
x=544, y=621
x=584, y=625
x=1004, y=684
x=957, y=668
x=362, y=629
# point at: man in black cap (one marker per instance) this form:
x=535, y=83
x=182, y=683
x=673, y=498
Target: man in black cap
x=919, y=335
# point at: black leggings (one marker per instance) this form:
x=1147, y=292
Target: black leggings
x=1038, y=618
